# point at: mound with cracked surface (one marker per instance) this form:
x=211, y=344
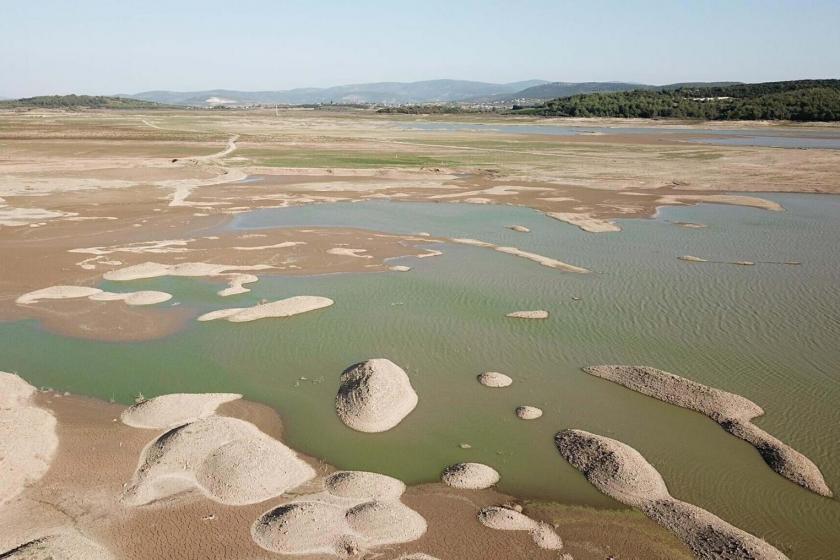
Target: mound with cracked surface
x=59, y=546
x=28, y=438
x=169, y=411
x=619, y=471
x=281, y=308
x=733, y=412
x=507, y=519
x=374, y=396
x=471, y=476
x=229, y=460
x=358, y=511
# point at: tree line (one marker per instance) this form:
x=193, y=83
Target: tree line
x=73, y=101
x=800, y=100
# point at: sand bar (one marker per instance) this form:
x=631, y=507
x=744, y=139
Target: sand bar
x=533, y=314
x=540, y=259
x=619, y=471
x=282, y=308
x=145, y=297
x=737, y=200
x=733, y=412
x=585, y=221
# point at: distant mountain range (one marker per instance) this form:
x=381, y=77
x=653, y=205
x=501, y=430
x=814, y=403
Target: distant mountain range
x=387, y=93
x=431, y=91
x=400, y=93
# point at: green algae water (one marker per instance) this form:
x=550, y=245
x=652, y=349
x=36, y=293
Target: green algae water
x=769, y=332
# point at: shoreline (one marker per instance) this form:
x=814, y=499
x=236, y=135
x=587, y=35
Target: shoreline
x=89, y=433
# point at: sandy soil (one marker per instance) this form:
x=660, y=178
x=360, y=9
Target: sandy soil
x=85, y=193
x=82, y=254
x=76, y=495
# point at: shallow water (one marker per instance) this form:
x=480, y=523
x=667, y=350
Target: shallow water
x=790, y=137
x=768, y=332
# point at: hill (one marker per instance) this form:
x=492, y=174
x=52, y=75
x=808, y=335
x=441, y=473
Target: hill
x=78, y=101
x=553, y=90
x=430, y=91
x=799, y=100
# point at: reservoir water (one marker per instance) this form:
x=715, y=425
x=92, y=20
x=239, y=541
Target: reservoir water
x=769, y=332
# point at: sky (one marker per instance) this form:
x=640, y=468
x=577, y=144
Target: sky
x=108, y=47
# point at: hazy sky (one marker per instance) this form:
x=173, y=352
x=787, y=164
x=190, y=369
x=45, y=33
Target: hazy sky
x=113, y=46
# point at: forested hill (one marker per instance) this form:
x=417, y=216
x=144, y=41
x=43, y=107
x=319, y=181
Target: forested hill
x=800, y=100
x=78, y=101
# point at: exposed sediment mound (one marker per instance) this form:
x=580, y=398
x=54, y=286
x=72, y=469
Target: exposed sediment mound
x=305, y=528
x=535, y=314
x=528, y=412
x=359, y=511
x=614, y=468
x=540, y=259
x=584, y=221
x=385, y=522
x=361, y=485
x=28, y=439
x=374, y=396
x=234, y=273
x=470, y=476
x=145, y=297
x=156, y=270
x=168, y=411
x=228, y=459
x=57, y=292
x=618, y=470
x=494, y=379
x=520, y=229
x=506, y=519
x=236, y=284
x=733, y=412
x=61, y=546
x=281, y=308
x=738, y=200
x=690, y=225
